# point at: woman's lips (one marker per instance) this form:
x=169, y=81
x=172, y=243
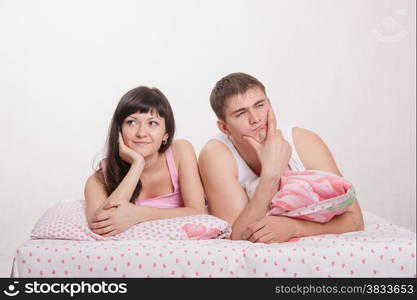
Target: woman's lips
x=141, y=143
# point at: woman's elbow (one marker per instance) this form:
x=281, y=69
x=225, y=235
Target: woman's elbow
x=200, y=210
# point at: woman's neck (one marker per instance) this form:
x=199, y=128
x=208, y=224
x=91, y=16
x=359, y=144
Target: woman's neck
x=153, y=163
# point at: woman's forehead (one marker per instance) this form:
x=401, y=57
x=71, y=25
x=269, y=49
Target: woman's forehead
x=152, y=113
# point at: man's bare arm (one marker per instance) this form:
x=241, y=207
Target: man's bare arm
x=315, y=155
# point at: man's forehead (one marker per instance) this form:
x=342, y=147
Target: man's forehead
x=244, y=100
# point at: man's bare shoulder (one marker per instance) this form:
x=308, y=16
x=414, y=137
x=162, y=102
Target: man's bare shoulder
x=304, y=136
x=215, y=153
x=313, y=151
x=215, y=147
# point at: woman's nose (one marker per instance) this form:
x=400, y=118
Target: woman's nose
x=141, y=132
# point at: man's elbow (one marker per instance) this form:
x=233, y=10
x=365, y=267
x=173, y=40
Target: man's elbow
x=357, y=223
x=235, y=237
x=360, y=225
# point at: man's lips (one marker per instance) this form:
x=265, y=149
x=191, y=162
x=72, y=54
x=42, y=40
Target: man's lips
x=259, y=128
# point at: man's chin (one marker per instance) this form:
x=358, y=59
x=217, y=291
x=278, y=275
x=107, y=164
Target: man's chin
x=260, y=137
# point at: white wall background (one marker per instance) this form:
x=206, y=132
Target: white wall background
x=344, y=69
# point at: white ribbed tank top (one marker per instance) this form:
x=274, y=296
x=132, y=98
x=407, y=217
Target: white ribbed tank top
x=246, y=175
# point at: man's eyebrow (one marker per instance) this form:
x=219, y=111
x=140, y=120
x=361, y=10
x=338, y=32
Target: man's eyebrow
x=238, y=110
x=259, y=101
x=244, y=108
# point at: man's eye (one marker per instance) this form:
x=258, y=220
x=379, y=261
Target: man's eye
x=261, y=105
x=239, y=114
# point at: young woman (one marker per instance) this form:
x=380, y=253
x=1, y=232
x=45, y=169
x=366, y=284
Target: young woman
x=146, y=175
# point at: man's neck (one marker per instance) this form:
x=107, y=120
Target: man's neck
x=249, y=156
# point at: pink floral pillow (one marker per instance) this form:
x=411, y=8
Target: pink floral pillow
x=311, y=195
x=67, y=220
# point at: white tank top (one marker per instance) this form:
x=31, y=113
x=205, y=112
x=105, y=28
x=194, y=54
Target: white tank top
x=246, y=175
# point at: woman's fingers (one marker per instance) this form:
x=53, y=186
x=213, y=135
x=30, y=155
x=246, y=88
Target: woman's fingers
x=102, y=216
x=104, y=230
x=111, y=233
x=112, y=204
x=100, y=224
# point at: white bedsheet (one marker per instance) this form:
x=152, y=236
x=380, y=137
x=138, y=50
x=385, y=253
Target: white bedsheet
x=382, y=250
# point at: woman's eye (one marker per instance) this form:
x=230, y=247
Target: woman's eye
x=153, y=123
x=131, y=122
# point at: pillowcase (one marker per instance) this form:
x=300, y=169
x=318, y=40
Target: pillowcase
x=311, y=195
x=67, y=220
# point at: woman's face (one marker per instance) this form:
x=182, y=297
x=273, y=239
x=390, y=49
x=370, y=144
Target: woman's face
x=144, y=132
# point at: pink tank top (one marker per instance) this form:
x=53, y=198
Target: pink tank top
x=171, y=200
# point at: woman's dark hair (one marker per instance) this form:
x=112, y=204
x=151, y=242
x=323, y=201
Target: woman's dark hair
x=143, y=100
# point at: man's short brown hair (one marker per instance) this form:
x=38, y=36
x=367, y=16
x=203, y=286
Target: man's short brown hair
x=231, y=85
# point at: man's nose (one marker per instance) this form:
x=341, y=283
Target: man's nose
x=254, y=117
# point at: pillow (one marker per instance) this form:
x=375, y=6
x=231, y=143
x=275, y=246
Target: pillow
x=311, y=195
x=67, y=220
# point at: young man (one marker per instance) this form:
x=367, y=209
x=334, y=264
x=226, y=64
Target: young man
x=252, y=147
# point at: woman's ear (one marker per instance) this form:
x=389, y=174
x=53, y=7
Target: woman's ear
x=223, y=127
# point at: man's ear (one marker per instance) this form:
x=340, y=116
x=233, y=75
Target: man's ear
x=223, y=127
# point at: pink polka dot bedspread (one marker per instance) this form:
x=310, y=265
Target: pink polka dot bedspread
x=382, y=250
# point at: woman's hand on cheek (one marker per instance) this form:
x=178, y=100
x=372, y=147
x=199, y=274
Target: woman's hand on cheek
x=129, y=155
x=116, y=219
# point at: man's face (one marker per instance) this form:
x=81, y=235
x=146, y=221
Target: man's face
x=246, y=115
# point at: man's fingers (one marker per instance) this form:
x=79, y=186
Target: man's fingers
x=272, y=123
x=254, y=227
x=278, y=133
x=259, y=235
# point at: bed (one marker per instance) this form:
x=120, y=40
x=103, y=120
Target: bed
x=382, y=250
